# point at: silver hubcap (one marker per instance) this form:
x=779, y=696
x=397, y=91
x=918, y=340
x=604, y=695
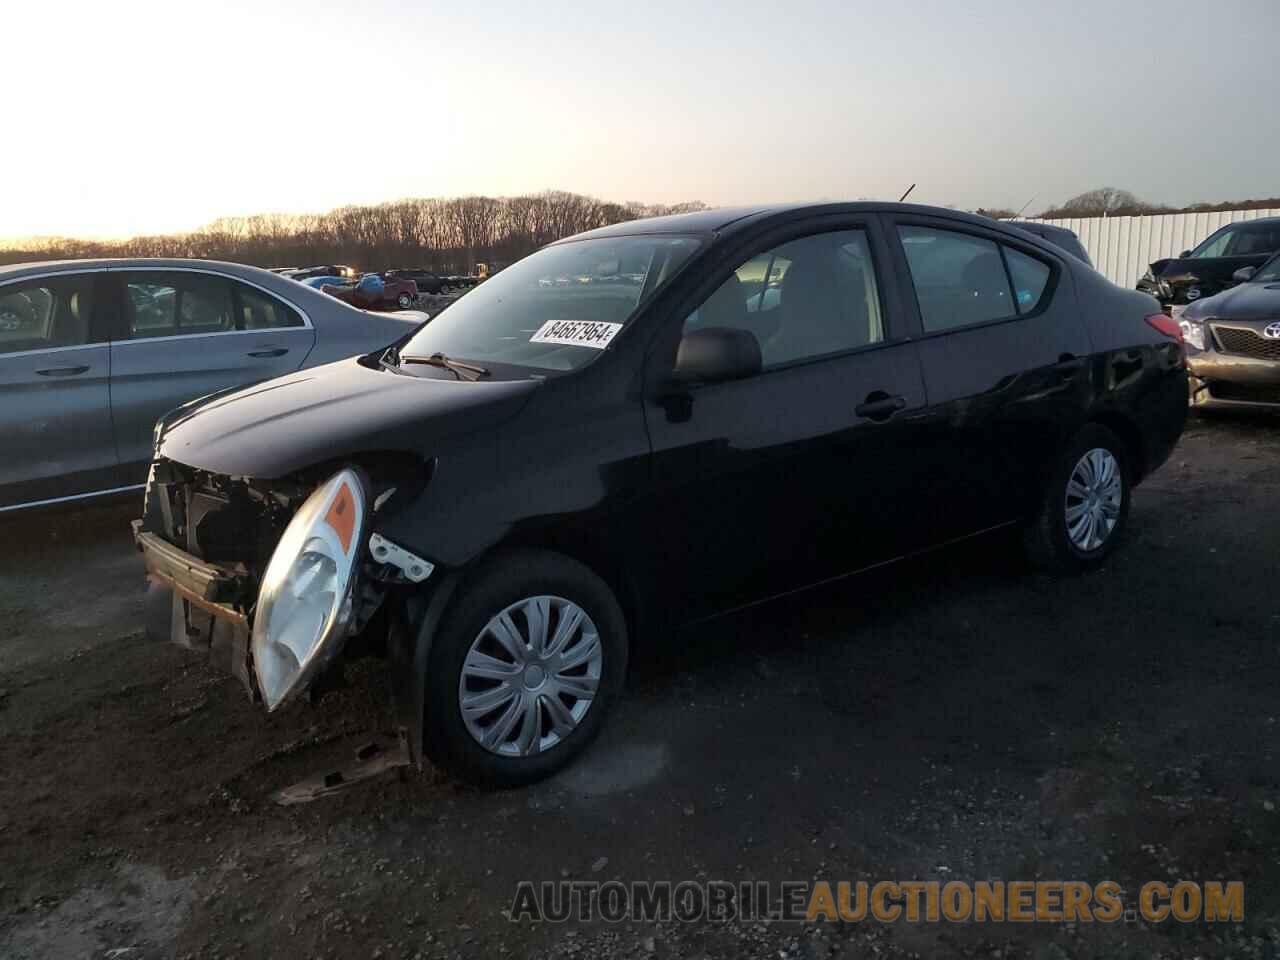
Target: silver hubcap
x=1095, y=493
x=530, y=676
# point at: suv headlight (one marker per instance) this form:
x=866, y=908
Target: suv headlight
x=305, y=603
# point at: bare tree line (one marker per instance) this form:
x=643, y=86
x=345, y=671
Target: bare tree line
x=452, y=235
x=445, y=235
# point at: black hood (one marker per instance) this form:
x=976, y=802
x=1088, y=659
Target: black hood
x=1208, y=275
x=1247, y=301
x=329, y=412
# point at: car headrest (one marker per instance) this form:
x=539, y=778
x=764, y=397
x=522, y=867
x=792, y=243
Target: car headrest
x=727, y=307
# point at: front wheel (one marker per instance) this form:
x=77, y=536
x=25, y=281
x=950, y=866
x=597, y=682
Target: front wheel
x=1084, y=505
x=405, y=301
x=523, y=669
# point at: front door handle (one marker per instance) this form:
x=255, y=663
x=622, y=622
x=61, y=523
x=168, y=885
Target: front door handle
x=273, y=352
x=880, y=406
x=63, y=371
x=1068, y=363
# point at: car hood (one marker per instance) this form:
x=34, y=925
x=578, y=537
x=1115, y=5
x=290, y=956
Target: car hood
x=1247, y=301
x=342, y=409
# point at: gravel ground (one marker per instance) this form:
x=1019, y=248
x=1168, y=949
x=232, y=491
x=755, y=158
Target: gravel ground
x=954, y=717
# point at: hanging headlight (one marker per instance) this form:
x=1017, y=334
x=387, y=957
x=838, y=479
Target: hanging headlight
x=304, y=605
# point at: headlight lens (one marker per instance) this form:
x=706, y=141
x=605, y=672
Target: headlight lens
x=1193, y=333
x=304, y=605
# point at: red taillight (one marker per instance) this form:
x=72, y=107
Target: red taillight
x=1166, y=325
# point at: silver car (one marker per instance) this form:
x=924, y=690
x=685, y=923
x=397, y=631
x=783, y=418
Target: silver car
x=93, y=352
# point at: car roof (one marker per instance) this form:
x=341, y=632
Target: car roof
x=724, y=221
x=14, y=270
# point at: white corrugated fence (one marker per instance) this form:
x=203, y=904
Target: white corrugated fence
x=1123, y=247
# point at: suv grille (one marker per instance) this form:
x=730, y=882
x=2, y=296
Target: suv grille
x=1246, y=343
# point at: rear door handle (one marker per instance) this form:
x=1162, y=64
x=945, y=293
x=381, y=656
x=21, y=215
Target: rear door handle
x=274, y=352
x=63, y=371
x=880, y=406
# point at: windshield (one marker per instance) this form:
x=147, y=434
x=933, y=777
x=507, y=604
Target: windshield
x=556, y=309
x=1269, y=272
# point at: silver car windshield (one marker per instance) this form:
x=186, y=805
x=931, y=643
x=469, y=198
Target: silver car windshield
x=558, y=308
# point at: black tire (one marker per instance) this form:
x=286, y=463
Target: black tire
x=1046, y=538
x=501, y=582
x=405, y=301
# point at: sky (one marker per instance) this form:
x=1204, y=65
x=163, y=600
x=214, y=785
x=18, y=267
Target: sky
x=136, y=117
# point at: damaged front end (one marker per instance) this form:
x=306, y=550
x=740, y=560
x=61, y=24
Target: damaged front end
x=270, y=577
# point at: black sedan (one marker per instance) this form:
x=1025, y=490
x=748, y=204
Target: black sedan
x=1214, y=264
x=1233, y=341
x=547, y=474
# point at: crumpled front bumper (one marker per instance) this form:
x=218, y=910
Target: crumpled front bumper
x=192, y=603
x=1219, y=379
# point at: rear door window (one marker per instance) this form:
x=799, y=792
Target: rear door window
x=959, y=278
x=962, y=280
x=168, y=304
x=258, y=311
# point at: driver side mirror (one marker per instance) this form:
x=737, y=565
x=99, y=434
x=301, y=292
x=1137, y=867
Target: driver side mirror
x=714, y=354
x=1184, y=254
x=1244, y=274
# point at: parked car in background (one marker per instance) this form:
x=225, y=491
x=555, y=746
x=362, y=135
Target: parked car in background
x=1062, y=237
x=329, y=270
x=1233, y=341
x=373, y=292
x=93, y=352
x=316, y=283
x=1209, y=267
x=426, y=281
x=547, y=472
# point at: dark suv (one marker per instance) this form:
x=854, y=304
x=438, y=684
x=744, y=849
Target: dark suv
x=1212, y=266
x=426, y=281
x=546, y=474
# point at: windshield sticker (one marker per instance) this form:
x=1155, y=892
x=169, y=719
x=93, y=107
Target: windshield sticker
x=577, y=333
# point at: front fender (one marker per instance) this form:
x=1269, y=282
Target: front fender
x=412, y=622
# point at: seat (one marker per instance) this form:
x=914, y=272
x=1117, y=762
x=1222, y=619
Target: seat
x=824, y=308
x=71, y=320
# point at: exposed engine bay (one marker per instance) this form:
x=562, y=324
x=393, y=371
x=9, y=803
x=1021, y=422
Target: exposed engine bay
x=209, y=542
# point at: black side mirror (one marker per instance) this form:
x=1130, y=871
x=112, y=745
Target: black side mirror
x=1184, y=253
x=717, y=353
x=1244, y=274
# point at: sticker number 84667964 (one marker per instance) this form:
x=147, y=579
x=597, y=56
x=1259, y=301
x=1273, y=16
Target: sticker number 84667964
x=577, y=333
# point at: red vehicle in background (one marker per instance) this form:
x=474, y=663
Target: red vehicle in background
x=376, y=292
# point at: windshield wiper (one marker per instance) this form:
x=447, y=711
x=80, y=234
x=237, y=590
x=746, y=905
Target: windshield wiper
x=456, y=367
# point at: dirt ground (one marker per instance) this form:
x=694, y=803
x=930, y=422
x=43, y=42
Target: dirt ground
x=955, y=717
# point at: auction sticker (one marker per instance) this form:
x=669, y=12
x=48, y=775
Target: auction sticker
x=577, y=333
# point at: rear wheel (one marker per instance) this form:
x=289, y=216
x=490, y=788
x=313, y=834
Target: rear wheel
x=523, y=670
x=405, y=301
x=1085, y=503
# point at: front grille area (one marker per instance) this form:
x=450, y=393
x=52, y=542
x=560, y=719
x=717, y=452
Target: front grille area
x=1246, y=343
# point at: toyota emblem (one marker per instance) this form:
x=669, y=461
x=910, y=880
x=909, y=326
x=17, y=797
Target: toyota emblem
x=1272, y=332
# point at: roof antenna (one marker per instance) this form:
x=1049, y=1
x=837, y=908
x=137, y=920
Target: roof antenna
x=1025, y=205
x=905, y=195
